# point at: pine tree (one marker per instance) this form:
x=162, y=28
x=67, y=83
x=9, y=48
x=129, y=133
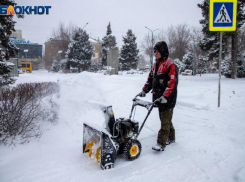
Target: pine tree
x=226, y=68
x=79, y=51
x=105, y=46
x=64, y=64
x=201, y=64
x=180, y=66
x=7, y=49
x=104, y=49
x=95, y=66
x=129, y=53
x=188, y=59
x=109, y=29
x=241, y=65
x=56, y=66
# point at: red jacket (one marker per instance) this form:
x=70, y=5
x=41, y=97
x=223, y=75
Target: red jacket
x=163, y=81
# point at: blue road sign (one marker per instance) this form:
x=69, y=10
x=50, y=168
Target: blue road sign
x=222, y=15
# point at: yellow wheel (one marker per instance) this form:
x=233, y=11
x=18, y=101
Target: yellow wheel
x=132, y=150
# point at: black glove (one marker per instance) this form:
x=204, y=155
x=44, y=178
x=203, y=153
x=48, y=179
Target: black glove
x=142, y=94
x=162, y=100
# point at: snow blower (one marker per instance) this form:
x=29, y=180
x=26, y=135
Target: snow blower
x=120, y=136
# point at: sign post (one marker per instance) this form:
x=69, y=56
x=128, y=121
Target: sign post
x=222, y=17
x=26, y=51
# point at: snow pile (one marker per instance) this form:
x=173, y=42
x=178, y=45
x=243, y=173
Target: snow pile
x=210, y=141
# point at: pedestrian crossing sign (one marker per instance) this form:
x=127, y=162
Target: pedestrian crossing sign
x=222, y=15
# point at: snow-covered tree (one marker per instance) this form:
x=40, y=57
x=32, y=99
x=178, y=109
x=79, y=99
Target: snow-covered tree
x=55, y=66
x=235, y=36
x=180, y=65
x=201, y=64
x=7, y=49
x=64, y=64
x=95, y=66
x=105, y=45
x=129, y=52
x=79, y=51
x=226, y=68
x=241, y=65
x=188, y=60
x=104, y=49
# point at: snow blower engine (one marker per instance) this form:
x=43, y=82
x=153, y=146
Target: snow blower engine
x=120, y=136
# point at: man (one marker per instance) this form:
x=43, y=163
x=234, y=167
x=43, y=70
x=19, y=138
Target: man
x=163, y=81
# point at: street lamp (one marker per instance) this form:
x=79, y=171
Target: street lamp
x=26, y=51
x=84, y=26
x=152, y=31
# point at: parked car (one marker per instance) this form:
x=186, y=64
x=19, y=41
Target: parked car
x=187, y=73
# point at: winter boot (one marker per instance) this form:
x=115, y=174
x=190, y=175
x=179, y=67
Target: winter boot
x=169, y=141
x=158, y=147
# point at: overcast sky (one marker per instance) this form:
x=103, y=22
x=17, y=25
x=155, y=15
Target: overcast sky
x=123, y=15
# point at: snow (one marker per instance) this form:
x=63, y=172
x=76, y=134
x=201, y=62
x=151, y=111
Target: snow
x=210, y=141
x=92, y=40
x=9, y=64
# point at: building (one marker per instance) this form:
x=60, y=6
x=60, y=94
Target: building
x=28, y=51
x=56, y=50
x=18, y=35
x=96, y=49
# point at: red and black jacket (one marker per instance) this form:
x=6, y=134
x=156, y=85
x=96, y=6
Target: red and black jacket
x=163, y=81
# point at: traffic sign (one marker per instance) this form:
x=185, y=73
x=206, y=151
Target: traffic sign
x=222, y=15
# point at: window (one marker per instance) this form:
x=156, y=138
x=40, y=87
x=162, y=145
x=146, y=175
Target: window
x=94, y=47
x=93, y=54
x=25, y=65
x=34, y=50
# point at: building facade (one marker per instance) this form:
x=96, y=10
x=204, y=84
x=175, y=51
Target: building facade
x=56, y=50
x=96, y=49
x=28, y=51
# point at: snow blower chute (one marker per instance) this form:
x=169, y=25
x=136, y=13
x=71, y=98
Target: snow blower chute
x=120, y=136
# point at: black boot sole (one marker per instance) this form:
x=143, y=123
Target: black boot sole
x=159, y=150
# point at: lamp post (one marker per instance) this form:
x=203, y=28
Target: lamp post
x=84, y=26
x=26, y=51
x=152, y=53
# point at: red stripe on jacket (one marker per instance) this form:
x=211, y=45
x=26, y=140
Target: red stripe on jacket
x=171, y=82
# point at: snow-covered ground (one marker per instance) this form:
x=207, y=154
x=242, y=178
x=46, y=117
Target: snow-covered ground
x=210, y=141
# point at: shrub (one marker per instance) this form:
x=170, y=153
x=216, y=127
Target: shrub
x=55, y=66
x=20, y=108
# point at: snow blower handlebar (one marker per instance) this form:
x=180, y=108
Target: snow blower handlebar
x=148, y=105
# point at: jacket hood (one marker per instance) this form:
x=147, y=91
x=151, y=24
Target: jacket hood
x=162, y=49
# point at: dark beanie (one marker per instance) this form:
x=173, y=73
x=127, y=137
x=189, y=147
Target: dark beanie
x=162, y=49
